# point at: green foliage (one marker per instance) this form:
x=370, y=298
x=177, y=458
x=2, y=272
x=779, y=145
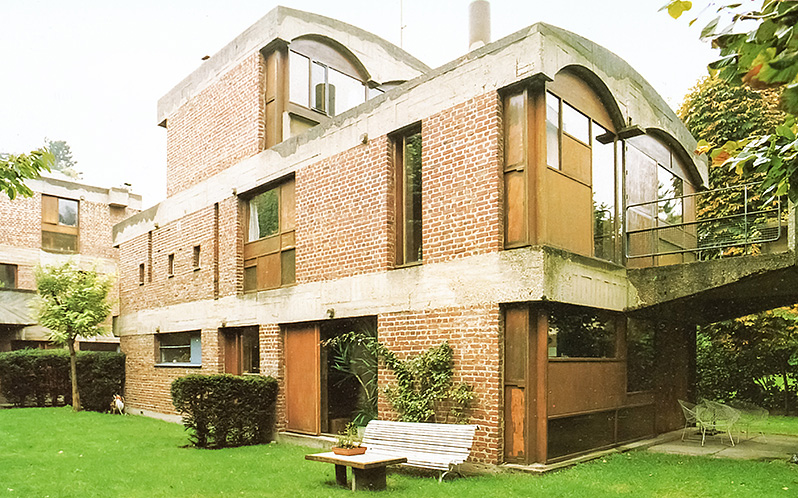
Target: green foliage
x=758, y=48
x=354, y=358
x=73, y=301
x=424, y=391
x=63, y=160
x=226, y=410
x=348, y=438
x=41, y=377
x=15, y=169
x=751, y=359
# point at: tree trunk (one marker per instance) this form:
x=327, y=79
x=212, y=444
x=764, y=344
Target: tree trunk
x=73, y=370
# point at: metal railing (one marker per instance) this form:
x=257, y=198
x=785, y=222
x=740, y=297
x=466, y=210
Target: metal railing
x=703, y=224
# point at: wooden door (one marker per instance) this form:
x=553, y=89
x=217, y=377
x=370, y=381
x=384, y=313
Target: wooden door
x=302, y=379
x=232, y=352
x=525, y=384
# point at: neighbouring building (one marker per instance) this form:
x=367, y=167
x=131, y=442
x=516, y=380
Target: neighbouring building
x=63, y=220
x=532, y=203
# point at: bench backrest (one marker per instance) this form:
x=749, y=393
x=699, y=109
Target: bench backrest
x=431, y=446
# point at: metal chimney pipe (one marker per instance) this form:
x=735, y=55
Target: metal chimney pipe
x=478, y=24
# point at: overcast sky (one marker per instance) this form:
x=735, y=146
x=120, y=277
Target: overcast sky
x=90, y=72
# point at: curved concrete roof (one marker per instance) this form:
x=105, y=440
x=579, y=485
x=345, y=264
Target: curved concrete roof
x=383, y=60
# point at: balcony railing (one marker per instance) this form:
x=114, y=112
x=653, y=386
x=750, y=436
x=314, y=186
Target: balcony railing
x=704, y=225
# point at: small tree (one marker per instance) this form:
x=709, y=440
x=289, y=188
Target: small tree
x=63, y=160
x=73, y=302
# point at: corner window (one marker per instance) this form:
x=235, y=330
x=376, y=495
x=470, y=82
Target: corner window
x=576, y=332
x=8, y=276
x=180, y=348
x=59, y=224
x=552, y=130
x=407, y=162
x=269, y=250
x=320, y=80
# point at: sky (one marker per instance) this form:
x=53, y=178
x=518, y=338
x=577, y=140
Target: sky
x=90, y=72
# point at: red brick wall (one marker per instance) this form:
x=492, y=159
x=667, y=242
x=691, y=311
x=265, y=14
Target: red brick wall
x=473, y=334
x=148, y=387
x=216, y=128
x=461, y=168
x=342, y=214
x=21, y=228
x=179, y=238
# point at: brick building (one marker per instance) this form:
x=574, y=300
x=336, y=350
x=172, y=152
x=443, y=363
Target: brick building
x=320, y=179
x=63, y=220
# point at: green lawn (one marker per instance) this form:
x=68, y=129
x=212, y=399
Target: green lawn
x=53, y=452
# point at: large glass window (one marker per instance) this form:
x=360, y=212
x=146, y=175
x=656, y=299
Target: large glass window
x=269, y=251
x=576, y=332
x=670, y=189
x=640, y=355
x=59, y=224
x=322, y=87
x=408, y=195
x=180, y=348
x=603, y=195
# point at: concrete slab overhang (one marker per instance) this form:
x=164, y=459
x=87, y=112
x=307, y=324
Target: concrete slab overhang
x=710, y=291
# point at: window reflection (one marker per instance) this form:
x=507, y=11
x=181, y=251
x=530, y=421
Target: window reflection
x=264, y=215
x=345, y=92
x=552, y=130
x=68, y=212
x=575, y=123
x=576, y=332
x=603, y=195
x=670, y=189
x=299, y=77
x=318, y=86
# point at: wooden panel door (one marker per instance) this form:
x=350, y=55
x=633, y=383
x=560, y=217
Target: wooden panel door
x=302, y=379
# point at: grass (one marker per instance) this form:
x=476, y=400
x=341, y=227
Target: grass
x=52, y=452
x=778, y=424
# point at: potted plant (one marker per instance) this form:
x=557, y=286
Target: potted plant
x=349, y=442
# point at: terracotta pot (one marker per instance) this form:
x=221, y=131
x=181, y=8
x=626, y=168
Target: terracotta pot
x=349, y=451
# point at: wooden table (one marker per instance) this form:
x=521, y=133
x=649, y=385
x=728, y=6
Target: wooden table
x=368, y=469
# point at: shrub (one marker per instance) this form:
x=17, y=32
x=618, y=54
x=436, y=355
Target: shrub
x=226, y=410
x=39, y=377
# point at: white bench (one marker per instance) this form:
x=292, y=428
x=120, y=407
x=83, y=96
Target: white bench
x=439, y=447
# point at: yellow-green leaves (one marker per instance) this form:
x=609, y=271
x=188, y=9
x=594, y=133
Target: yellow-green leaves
x=677, y=7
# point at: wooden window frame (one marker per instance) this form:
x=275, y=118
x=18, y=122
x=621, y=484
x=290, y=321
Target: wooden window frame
x=399, y=141
x=270, y=254
x=52, y=226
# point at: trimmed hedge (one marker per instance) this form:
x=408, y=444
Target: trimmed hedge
x=226, y=410
x=40, y=377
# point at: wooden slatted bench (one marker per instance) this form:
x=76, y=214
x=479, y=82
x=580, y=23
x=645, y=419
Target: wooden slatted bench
x=440, y=447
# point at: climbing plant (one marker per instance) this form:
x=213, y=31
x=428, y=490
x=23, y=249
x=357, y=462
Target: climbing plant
x=424, y=390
